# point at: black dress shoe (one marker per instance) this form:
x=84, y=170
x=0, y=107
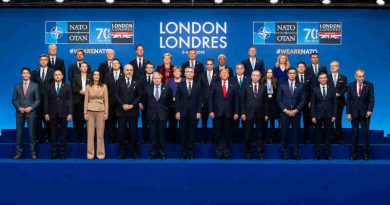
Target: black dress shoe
x=183, y=156
x=284, y=157
x=307, y=141
x=328, y=157
x=296, y=157
x=54, y=156
x=353, y=157
x=248, y=156
x=122, y=156
x=260, y=157
x=317, y=156
x=151, y=157
x=62, y=156
x=191, y=156
x=18, y=156
x=134, y=156
x=341, y=142
x=163, y=157
x=365, y=157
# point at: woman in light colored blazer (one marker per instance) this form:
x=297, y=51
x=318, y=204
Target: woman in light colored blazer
x=95, y=113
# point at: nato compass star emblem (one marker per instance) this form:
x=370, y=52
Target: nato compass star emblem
x=56, y=32
x=264, y=33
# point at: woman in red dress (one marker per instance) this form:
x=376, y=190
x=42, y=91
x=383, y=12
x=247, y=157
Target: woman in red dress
x=166, y=68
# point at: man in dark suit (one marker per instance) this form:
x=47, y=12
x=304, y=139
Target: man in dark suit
x=207, y=79
x=42, y=76
x=188, y=109
x=224, y=110
x=55, y=62
x=79, y=84
x=106, y=66
x=339, y=81
x=58, y=109
x=302, y=78
x=241, y=80
x=145, y=80
x=291, y=100
x=254, y=112
x=360, y=104
x=139, y=63
x=26, y=99
x=193, y=63
x=253, y=63
x=74, y=68
x=323, y=112
x=222, y=65
x=111, y=80
x=157, y=99
x=314, y=69
x=128, y=97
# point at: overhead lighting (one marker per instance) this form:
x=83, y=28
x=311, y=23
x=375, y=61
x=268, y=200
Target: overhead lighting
x=60, y=1
x=380, y=2
x=218, y=1
x=166, y=1
x=6, y=1
x=326, y=2
x=273, y=1
x=110, y=1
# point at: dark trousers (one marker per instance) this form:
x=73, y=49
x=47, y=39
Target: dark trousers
x=42, y=133
x=145, y=127
x=20, y=121
x=58, y=126
x=324, y=134
x=338, y=126
x=205, y=116
x=307, y=124
x=286, y=122
x=111, y=124
x=158, y=137
x=172, y=131
x=79, y=121
x=128, y=132
x=237, y=131
x=271, y=134
x=223, y=135
x=187, y=131
x=259, y=135
x=364, y=123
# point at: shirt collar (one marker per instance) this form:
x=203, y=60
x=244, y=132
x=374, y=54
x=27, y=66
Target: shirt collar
x=291, y=81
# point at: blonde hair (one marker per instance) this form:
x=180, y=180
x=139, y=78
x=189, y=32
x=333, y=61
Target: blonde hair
x=277, y=64
x=167, y=54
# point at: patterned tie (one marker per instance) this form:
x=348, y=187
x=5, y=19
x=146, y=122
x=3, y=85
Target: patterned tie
x=25, y=89
x=157, y=93
x=58, y=89
x=224, y=90
x=192, y=64
x=255, y=91
x=128, y=83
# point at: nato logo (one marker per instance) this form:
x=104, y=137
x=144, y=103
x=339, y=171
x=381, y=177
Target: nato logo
x=263, y=33
x=56, y=32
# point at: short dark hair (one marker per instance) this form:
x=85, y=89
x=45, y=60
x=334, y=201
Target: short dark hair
x=43, y=56
x=150, y=63
x=252, y=46
x=301, y=63
x=139, y=45
x=314, y=54
x=210, y=59
x=84, y=63
x=80, y=50
x=25, y=68
x=191, y=49
x=58, y=70
x=322, y=73
x=292, y=68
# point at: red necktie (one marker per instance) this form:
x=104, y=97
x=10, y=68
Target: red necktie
x=224, y=89
x=255, y=91
x=25, y=89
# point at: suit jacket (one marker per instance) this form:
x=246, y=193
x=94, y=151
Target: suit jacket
x=363, y=104
x=36, y=78
x=188, y=104
x=258, y=66
x=58, y=65
x=32, y=99
x=311, y=75
x=60, y=105
x=307, y=86
x=320, y=106
x=245, y=80
x=253, y=106
x=74, y=70
x=127, y=95
x=96, y=100
x=290, y=102
x=341, y=87
x=139, y=71
x=104, y=69
x=205, y=87
x=109, y=80
x=219, y=104
x=76, y=88
x=197, y=70
x=166, y=74
x=157, y=110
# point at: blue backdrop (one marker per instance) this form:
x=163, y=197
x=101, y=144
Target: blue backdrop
x=364, y=42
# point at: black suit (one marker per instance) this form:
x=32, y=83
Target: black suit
x=188, y=105
x=58, y=107
x=139, y=71
x=341, y=88
x=306, y=112
x=259, y=65
x=157, y=116
x=271, y=134
x=128, y=120
x=314, y=76
x=358, y=106
x=36, y=77
x=58, y=65
x=224, y=108
x=254, y=107
x=236, y=125
x=78, y=106
x=74, y=70
x=143, y=81
x=205, y=92
x=198, y=69
x=111, y=83
x=104, y=68
x=323, y=108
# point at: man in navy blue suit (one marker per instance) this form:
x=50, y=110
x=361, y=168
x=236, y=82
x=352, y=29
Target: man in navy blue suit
x=291, y=100
x=157, y=99
x=253, y=63
x=56, y=62
x=188, y=109
x=323, y=112
x=315, y=68
x=145, y=80
x=360, y=104
x=193, y=63
x=224, y=110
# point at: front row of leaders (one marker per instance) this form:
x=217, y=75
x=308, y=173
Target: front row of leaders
x=226, y=105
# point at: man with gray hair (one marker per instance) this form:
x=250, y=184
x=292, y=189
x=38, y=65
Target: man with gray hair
x=55, y=62
x=106, y=66
x=222, y=65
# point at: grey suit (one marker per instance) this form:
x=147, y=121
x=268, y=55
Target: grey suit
x=32, y=99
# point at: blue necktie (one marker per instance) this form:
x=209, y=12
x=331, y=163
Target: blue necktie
x=52, y=62
x=116, y=76
x=58, y=89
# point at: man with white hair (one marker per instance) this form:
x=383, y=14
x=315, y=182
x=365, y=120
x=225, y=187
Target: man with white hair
x=55, y=62
x=222, y=65
x=106, y=66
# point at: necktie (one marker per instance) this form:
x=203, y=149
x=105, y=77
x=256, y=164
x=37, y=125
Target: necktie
x=192, y=64
x=128, y=82
x=316, y=69
x=116, y=76
x=224, y=90
x=79, y=65
x=209, y=77
x=52, y=62
x=189, y=88
x=139, y=63
x=149, y=79
x=43, y=75
x=253, y=63
x=240, y=81
x=255, y=91
x=360, y=90
x=157, y=93
x=25, y=89
x=323, y=92
x=58, y=89
x=291, y=88
x=301, y=78
x=335, y=80
x=109, y=66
